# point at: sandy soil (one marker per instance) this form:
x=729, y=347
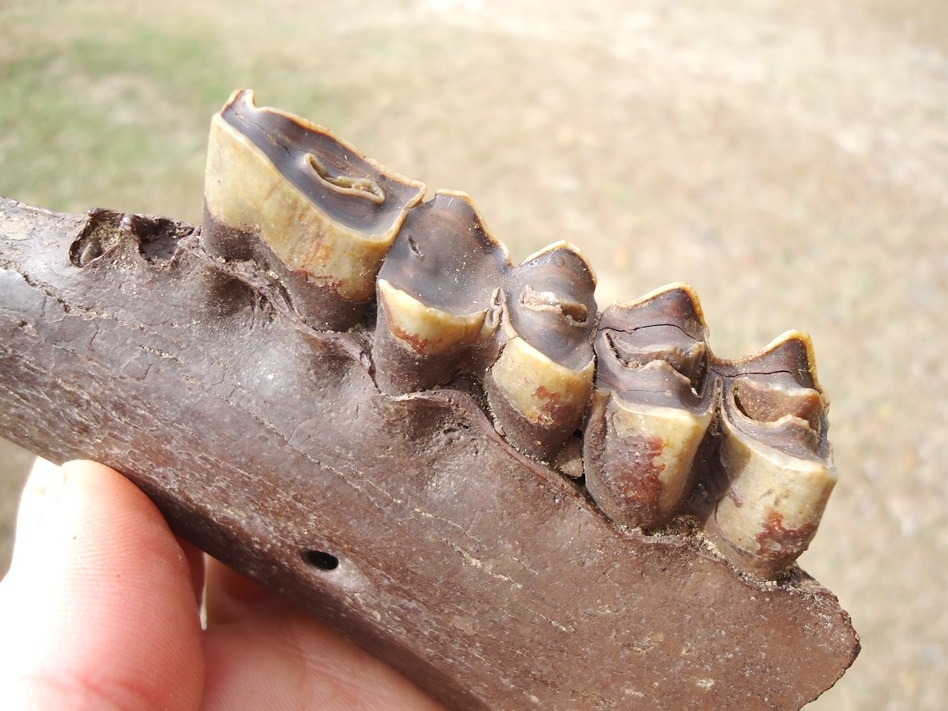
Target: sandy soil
x=791, y=163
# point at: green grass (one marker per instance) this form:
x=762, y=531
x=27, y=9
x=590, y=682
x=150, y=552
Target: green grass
x=103, y=107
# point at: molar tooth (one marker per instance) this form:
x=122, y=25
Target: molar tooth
x=775, y=457
x=651, y=407
x=436, y=294
x=539, y=386
x=289, y=194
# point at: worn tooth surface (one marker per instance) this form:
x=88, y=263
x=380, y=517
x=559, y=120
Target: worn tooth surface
x=651, y=407
x=666, y=428
x=539, y=386
x=289, y=194
x=775, y=457
x=435, y=296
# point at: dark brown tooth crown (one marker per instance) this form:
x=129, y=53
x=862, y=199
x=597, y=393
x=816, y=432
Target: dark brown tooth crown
x=666, y=427
x=444, y=257
x=437, y=314
x=331, y=173
x=292, y=197
x=551, y=304
x=654, y=349
x=651, y=407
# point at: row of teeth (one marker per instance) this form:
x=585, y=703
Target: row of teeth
x=666, y=427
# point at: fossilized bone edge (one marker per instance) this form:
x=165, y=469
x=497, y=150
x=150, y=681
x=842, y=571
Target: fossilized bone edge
x=495, y=586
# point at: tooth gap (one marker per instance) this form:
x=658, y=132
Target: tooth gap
x=361, y=187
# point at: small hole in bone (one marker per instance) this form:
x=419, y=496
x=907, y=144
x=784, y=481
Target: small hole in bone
x=321, y=560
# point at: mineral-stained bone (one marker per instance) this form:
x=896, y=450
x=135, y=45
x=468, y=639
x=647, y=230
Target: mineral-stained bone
x=213, y=370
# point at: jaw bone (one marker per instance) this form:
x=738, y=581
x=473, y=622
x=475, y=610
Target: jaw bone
x=667, y=428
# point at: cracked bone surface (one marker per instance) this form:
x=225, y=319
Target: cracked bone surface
x=233, y=376
x=287, y=192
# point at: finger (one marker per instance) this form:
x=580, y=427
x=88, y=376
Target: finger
x=229, y=596
x=278, y=658
x=263, y=653
x=98, y=609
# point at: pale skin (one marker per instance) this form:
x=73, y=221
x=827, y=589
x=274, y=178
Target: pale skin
x=101, y=610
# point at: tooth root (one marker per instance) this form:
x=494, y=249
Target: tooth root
x=651, y=408
x=638, y=458
x=304, y=204
x=435, y=296
x=775, y=458
x=537, y=402
x=539, y=387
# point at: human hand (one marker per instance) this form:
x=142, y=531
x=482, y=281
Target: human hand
x=100, y=610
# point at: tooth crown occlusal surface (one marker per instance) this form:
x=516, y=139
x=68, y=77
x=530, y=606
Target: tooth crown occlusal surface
x=436, y=296
x=287, y=192
x=651, y=408
x=539, y=386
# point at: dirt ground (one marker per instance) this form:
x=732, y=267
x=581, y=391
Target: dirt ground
x=789, y=160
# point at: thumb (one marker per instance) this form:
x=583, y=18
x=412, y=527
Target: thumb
x=98, y=609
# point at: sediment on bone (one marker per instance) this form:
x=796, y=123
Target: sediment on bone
x=651, y=406
x=539, y=386
x=775, y=457
x=437, y=294
x=289, y=194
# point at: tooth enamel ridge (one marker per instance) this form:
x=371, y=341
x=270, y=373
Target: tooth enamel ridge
x=646, y=417
x=651, y=409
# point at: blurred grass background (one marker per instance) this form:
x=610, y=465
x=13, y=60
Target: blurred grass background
x=788, y=160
